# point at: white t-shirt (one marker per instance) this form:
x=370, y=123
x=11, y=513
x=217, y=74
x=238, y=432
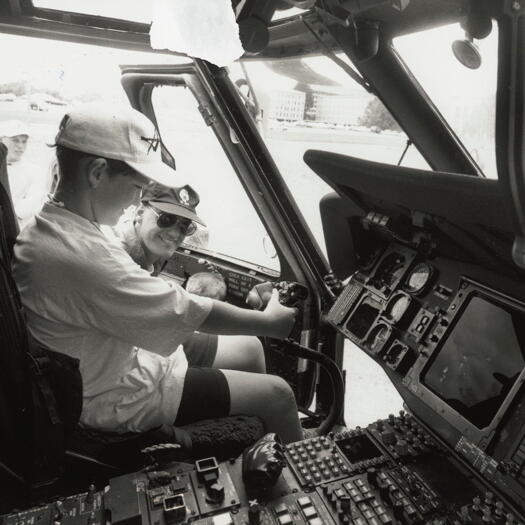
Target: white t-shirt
x=85, y=297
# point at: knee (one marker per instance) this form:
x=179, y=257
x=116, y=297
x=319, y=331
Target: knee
x=281, y=395
x=255, y=360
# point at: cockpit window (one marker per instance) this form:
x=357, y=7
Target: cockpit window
x=312, y=103
x=465, y=97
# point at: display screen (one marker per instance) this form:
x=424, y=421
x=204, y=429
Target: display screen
x=363, y=317
x=480, y=360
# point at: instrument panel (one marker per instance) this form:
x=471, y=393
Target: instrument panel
x=451, y=337
x=394, y=472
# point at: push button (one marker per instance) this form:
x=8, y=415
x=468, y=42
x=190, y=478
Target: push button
x=305, y=501
x=309, y=513
x=315, y=521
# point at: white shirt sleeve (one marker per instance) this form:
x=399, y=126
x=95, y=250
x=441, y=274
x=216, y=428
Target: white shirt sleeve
x=122, y=300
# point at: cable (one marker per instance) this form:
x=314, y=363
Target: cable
x=290, y=347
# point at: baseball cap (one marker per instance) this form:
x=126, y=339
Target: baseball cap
x=13, y=128
x=175, y=201
x=119, y=133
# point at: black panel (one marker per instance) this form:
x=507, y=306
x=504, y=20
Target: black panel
x=480, y=360
x=459, y=198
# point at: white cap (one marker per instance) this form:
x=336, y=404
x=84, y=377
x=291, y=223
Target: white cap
x=13, y=128
x=119, y=133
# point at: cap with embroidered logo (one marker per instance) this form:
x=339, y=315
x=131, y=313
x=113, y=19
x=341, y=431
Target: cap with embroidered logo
x=175, y=201
x=120, y=133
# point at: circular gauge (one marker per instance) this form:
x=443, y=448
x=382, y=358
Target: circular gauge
x=389, y=271
x=397, y=306
x=378, y=337
x=419, y=278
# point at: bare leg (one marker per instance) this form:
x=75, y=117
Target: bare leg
x=268, y=397
x=240, y=352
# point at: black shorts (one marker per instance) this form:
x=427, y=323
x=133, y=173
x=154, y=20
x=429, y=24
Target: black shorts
x=206, y=395
x=201, y=349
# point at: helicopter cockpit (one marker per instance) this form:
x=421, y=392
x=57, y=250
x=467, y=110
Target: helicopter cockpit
x=364, y=157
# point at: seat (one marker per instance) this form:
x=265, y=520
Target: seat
x=223, y=438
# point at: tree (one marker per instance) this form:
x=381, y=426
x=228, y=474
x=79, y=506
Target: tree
x=376, y=115
x=17, y=88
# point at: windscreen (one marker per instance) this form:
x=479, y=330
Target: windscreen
x=480, y=360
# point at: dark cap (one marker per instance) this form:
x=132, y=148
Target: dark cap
x=176, y=201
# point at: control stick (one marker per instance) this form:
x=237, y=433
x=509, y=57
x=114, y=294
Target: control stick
x=293, y=294
x=263, y=463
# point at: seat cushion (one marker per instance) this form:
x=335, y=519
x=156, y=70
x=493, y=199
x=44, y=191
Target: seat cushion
x=223, y=438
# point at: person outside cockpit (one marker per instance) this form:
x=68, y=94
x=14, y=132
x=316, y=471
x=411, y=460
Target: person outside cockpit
x=28, y=187
x=85, y=297
x=151, y=234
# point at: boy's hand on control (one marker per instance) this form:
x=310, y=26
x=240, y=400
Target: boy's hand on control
x=281, y=319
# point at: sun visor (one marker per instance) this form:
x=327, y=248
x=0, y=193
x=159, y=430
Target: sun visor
x=204, y=29
x=460, y=198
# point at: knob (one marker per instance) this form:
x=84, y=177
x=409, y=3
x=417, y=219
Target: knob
x=384, y=491
x=59, y=511
x=215, y=493
x=90, y=496
x=388, y=437
x=371, y=476
x=487, y=515
x=476, y=504
x=413, y=487
x=380, y=425
x=254, y=513
x=398, y=510
x=465, y=515
x=489, y=498
x=391, y=497
x=346, y=503
x=402, y=447
x=499, y=508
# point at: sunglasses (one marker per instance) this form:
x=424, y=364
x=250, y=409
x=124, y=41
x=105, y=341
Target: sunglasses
x=167, y=220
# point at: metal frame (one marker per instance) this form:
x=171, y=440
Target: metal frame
x=510, y=118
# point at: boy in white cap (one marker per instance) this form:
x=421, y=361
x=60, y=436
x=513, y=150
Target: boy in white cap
x=25, y=181
x=84, y=296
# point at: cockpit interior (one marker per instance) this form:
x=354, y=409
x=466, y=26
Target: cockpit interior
x=413, y=258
